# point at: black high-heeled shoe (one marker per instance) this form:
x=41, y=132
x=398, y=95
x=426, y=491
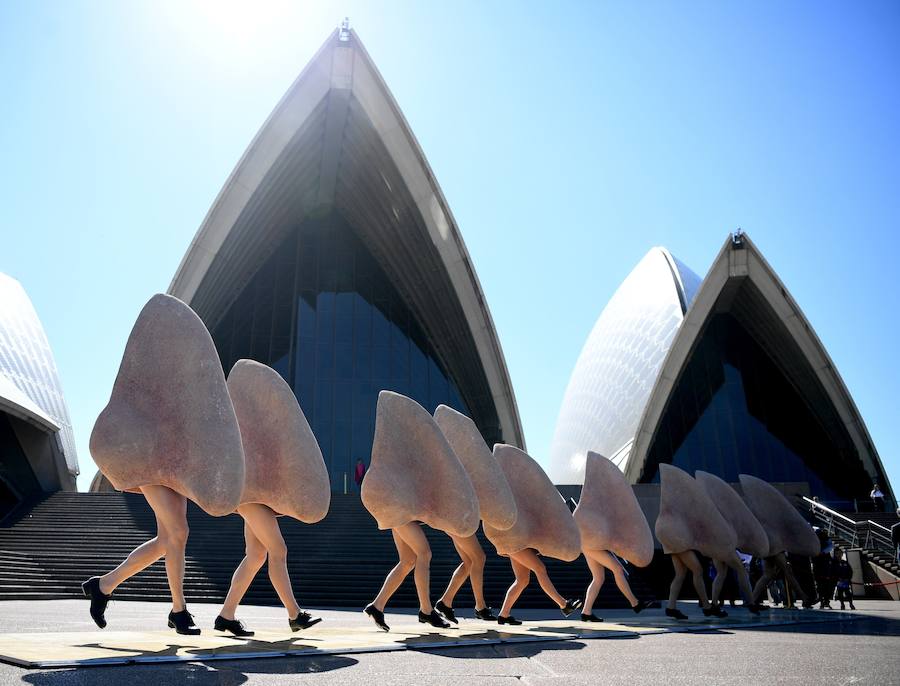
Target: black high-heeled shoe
x=485, y=615
x=571, y=606
x=232, y=626
x=675, y=614
x=377, y=617
x=434, y=619
x=303, y=620
x=508, y=620
x=591, y=618
x=183, y=623
x=714, y=611
x=446, y=610
x=753, y=608
x=99, y=600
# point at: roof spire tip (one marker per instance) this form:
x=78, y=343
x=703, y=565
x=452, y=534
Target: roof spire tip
x=344, y=32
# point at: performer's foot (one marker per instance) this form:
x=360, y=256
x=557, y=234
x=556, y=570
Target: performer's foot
x=99, y=600
x=434, y=619
x=377, y=617
x=571, y=606
x=446, y=610
x=643, y=605
x=233, y=626
x=591, y=618
x=675, y=614
x=752, y=608
x=714, y=611
x=303, y=620
x=485, y=615
x=852, y=606
x=183, y=623
x=508, y=620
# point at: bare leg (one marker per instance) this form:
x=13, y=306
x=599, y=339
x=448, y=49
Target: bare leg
x=171, y=512
x=246, y=571
x=413, y=537
x=689, y=558
x=264, y=525
x=763, y=582
x=472, y=566
x=396, y=576
x=743, y=579
x=719, y=581
x=608, y=560
x=530, y=559
x=460, y=574
x=677, y=581
x=140, y=558
x=789, y=579
x=598, y=574
x=523, y=576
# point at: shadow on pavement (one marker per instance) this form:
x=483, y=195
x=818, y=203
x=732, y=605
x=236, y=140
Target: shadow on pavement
x=230, y=673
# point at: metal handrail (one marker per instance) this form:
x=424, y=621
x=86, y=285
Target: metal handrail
x=834, y=513
x=869, y=535
x=878, y=526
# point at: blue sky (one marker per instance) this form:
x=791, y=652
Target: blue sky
x=568, y=138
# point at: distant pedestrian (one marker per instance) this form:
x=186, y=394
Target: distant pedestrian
x=844, y=573
x=877, y=498
x=359, y=473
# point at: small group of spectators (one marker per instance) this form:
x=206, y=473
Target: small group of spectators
x=823, y=578
x=833, y=576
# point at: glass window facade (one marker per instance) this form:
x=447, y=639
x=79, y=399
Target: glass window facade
x=323, y=313
x=734, y=412
x=17, y=480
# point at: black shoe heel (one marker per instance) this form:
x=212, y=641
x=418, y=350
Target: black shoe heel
x=447, y=611
x=434, y=619
x=99, y=600
x=183, y=623
x=377, y=617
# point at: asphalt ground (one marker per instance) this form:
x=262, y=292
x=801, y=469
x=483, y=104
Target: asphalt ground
x=863, y=651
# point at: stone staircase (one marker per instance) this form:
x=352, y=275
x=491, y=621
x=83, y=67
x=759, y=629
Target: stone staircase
x=48, y=547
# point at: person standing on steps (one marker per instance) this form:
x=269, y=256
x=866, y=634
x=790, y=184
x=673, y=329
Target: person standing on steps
x=414, y=477
x=496, y=503
x=543, y=526
x=285, y=475
x=359, y=473
x=170, y=433
x=877, y=498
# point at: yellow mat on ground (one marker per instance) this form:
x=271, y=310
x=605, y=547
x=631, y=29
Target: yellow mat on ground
x=35, y=650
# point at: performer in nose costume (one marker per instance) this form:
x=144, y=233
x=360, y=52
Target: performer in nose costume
x=543, y=526
x=751, y=537
x=495, y=500
x=169, y=432
x=611, y=523
x=787, y=531
x=286, y=475
x=414, y=477
x=688, y=521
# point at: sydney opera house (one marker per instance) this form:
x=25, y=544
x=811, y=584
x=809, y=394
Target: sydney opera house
x=37, y=446
x=723, y=374
x=332, y=256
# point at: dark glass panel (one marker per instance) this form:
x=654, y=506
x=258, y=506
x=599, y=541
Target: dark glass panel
x=324, y=314
x=734, y=412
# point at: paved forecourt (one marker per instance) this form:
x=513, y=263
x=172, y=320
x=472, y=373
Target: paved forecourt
x=346, y=632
